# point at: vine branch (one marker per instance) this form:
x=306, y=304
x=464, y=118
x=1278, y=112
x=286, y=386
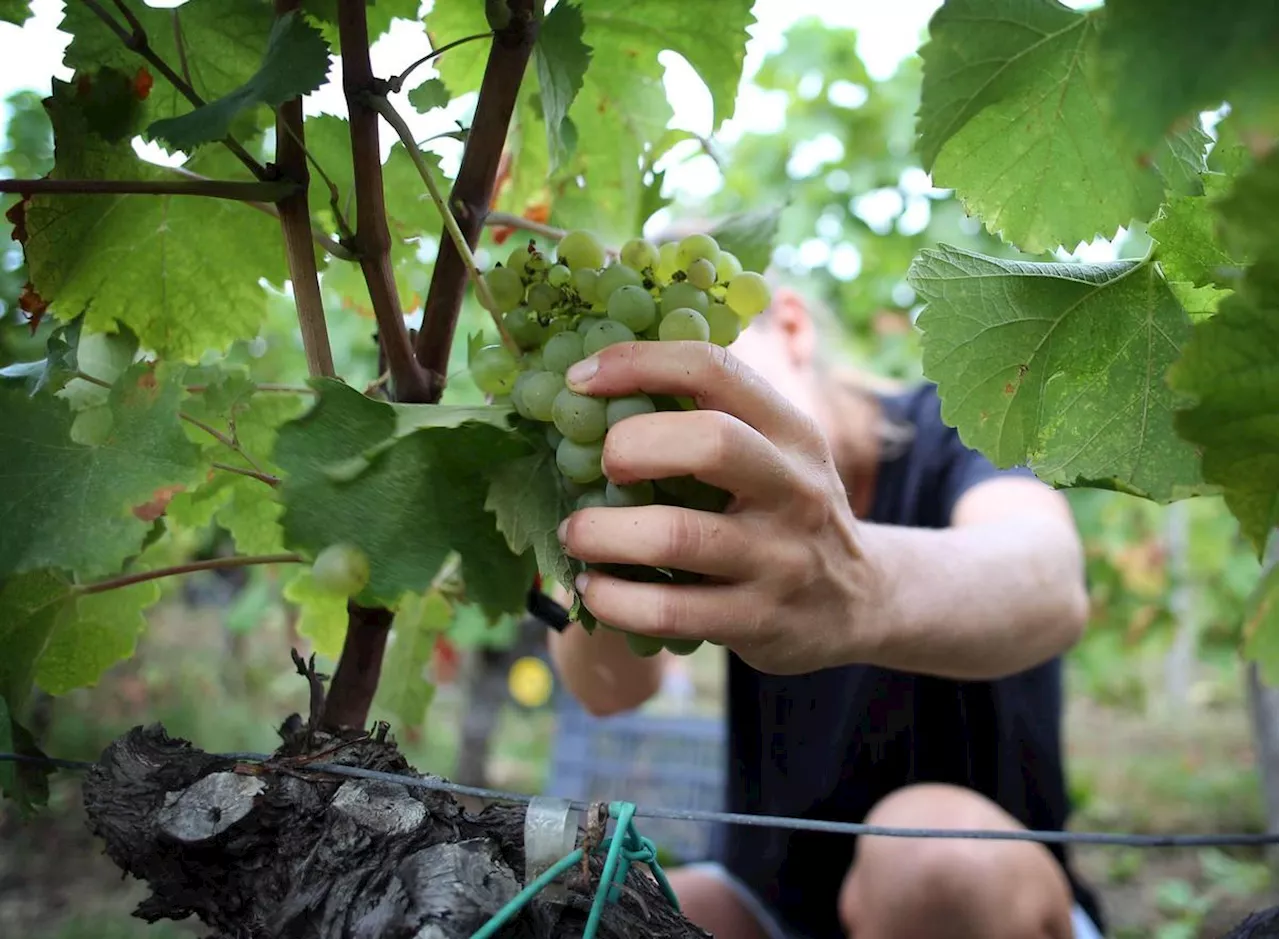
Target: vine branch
x=211, y=188
x=267, y=478
x=384, y=107
x=211, y=564
x=473, y=189
x=135, y=40
x=295, y=223
x=372, y=240
x=508, y=220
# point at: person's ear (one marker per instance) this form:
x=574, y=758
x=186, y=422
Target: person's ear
x=790, y=317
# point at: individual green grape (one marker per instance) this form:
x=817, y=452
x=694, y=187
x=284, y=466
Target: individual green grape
x=579, y=249
x=518, y=259
x=342, y=569
x=724, y=324
x=517, y=394
x=543, y=298
x=605, y=333
x=538, y=393
x=561, y=351
x=667, y=264
x=696, y=246
x=681, y=295
x=523, y=326
x=584, y=282
x=581, y=418
x=633, y=307
x=531, y=361
x=638, y=254
x=747, y=294
x=644, y=646
x=585, y=324
x=684, y=325
x=727, y=265
x=553, y=436
x=682, y=646
x=580, y=462
x=701, y=273
x=575, y=490
x=619, y=409
x=591, y=499
x=640, y=493
x=615, y=276
x=558, y=275
x=505, y=288
x=494, y=369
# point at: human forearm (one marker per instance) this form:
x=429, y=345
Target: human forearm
x=975, y=602
x=601, y=672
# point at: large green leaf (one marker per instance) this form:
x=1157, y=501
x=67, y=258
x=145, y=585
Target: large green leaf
x=404, y=688
x=1185, y=232
x=26, y=783
x=15, y=11
x=181, y=272
x=296, y=63
x=414, y=501
x=322, y=614
x=1262, y=617
x=1059, y=366
x=529, y=502
x=1164, y=60
x=1229, y=368
x=1012, y=118
x=560, y=60
x=622, y=110
x=223, y=43
x=70, y=506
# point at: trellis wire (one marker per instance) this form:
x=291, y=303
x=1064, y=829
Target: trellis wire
x=435, y=783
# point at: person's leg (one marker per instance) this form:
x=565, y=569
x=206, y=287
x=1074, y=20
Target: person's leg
x=712, y=898
x=904, y=888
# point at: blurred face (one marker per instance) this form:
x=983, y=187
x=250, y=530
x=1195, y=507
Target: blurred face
x=780, y=344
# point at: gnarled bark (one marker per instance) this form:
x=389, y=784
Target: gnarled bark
x=280, y=851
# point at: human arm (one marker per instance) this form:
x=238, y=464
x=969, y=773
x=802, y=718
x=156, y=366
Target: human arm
x=600, y=671
x=795, y=583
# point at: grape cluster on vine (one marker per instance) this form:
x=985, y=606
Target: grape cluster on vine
x=561, y=309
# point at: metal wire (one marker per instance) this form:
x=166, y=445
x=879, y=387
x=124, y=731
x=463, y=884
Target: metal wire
x=435, y=783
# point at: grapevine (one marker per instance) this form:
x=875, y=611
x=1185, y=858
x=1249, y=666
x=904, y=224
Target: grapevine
x=564, y=308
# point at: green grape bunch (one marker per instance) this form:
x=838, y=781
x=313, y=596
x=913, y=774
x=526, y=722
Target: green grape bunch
x=563, y=309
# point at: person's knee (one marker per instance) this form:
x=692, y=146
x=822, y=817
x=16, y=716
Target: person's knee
x=709, y=902
x=985, y=888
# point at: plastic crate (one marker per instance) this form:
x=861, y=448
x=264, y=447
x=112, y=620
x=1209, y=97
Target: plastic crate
x=651, y=760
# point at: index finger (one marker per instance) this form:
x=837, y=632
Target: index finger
x=711, y=375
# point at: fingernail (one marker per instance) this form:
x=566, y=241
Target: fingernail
x=563, y=531
x=582, y=372
x=580, y=583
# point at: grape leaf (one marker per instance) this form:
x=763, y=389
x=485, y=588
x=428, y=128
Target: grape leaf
x=528, y=501
x=56, y=369
x=1010, y=118
x=1262, y=622
x=223, y=43
x=1183, y=162
x=378, y=16
x=30, y=606
x=560, y=59
x=1059, y=366
x=1229, y=367
x=190, y=286
x=404, y=689
x=1165, y=60
x=16, y=12
x=70, y=506
x=296, y=63
x=322, y=614
x=750, y=236
x=26, y=783
x=428, y=96
x=416, y=501
x=94, y=633
x=1198, y=301
x=1185, y=231
x=622, y=107
x=1247, y=223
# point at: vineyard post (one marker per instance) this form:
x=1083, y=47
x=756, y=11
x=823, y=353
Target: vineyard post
x=418, y=373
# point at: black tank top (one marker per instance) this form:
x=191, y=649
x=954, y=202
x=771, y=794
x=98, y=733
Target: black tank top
x=831, y=744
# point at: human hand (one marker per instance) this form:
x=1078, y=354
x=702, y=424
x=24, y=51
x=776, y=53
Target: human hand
x=787, y=585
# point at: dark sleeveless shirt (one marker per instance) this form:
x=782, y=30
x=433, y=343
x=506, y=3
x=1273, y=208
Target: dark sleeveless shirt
x=831, y=744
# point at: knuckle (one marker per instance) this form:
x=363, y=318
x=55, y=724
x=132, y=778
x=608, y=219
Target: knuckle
x=812, y=502
x=686, y=535
x=717, y=436
x=668, y=612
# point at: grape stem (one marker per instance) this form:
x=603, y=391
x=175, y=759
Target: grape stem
x=267, y=478
x=211, y=564
x=210, y=188
x=508, y=220
x=395, y=84
x=384, y=107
